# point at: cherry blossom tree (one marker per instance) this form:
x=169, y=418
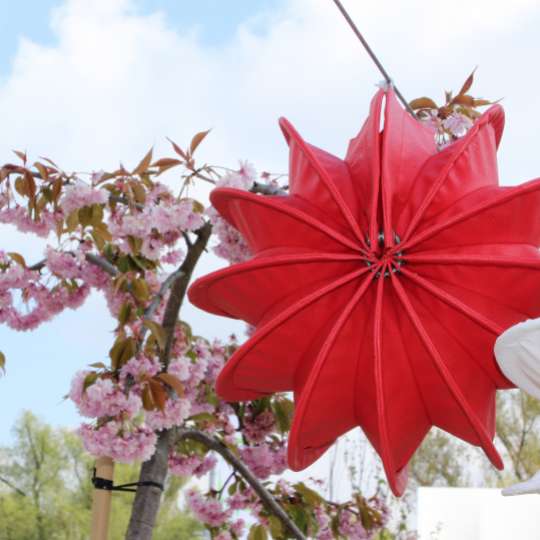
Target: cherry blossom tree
x=128, y=235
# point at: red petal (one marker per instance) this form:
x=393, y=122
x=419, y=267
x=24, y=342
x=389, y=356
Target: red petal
x=458, y=395
x=281, y=222
x=274, y=280
x=268, y=361
x=329, y=385
x=407, y=144
x=322, y=179
x=467, y=165
x=487, y=216
x=363, y=160
x=497, y=284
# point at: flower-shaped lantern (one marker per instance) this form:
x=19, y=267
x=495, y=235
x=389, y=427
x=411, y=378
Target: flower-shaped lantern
x=378, y=286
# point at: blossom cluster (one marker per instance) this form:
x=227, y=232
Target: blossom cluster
x=230, y=243
x=454, y=118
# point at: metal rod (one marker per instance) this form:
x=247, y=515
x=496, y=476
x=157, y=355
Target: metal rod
x=373, y=56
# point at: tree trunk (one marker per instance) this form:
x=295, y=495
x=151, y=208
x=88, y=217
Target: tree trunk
x=148, y=498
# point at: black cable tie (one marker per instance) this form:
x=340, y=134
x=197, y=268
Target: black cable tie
x=108, y=485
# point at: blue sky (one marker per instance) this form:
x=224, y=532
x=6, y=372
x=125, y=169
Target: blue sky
x=215, y=20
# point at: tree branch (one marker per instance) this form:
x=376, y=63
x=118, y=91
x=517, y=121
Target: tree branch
x=267, y=189
x=102, y=263
x=269, y=502
x=179, y=288
x=13, y=486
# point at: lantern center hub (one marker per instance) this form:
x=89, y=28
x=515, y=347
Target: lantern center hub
x=381, y=260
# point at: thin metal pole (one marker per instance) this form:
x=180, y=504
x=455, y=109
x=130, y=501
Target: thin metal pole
x=372, y=55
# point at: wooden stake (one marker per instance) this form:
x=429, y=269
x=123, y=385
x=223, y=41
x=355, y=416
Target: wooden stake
x=101, y=503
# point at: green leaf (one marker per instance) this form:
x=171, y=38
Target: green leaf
x=140, y=290
x=276, y=528
x=98, y=365
x=257, y=532
x=89, y=380
x=283, y=410
x=157, y=331
x=72, y=221
x=123, y=264
x=300, y=516
x=122, y=351
x=124, y=314
x=85, y=216
x=309, y=496
x=2, y=362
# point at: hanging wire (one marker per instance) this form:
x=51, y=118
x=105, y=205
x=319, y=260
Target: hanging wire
x=373, y=56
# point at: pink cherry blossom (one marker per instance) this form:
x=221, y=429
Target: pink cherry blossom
x=264, y=460
x=80, y=195
x=181, y=465
x=208, y=510
x=121, y=442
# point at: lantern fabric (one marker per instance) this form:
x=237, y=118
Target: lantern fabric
x=378, y=286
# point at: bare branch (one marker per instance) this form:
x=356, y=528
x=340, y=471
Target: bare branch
x=102, y=263
x=151, y=309
x=179, y=288
x=96, y=260
x=269, y=502
x=13, y=486
x=267, y=189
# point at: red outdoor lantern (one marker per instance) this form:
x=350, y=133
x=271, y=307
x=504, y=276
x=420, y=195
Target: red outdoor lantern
x=379, y=285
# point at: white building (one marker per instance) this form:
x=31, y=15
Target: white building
x=476, y=514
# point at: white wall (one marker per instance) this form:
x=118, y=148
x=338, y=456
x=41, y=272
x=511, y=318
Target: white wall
x=476, y=514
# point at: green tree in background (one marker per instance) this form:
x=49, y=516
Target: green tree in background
x=443, y=460
x=45, y=490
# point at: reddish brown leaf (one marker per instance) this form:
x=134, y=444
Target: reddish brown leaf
x=159, y=394
x=167, y=162
x=18, y=258
x=30, y=184
x=468, y=83
x=21, y=155
x=147, y=399
x=197, y=139
x=422, y=103
x=463, y=99
x=50, y=162
x=42, y=170
x=173, y=382
x=177, y=149
x=482, y=102
x=144, y=164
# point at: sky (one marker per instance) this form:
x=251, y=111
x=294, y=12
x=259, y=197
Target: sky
x=90, y=84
